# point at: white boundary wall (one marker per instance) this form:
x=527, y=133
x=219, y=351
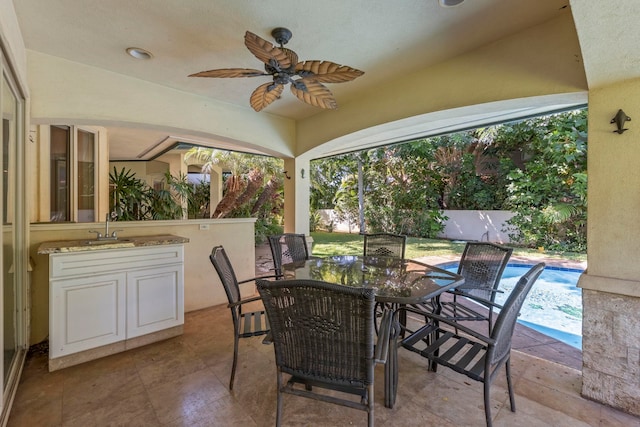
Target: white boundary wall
x=477, y=225
x=461, y=225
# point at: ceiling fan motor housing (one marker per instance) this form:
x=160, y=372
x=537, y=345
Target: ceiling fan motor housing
x=281, y=35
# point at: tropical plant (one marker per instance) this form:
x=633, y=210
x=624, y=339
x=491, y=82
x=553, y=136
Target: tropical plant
x=252, y=187
x=403, y=190
x=549, y=193
x=171, y=202
x=132, y=199
x=128, y=196
x=535, y=167
x=198, y=205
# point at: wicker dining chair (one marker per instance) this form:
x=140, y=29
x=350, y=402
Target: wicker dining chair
x=481, y=265
x=385, y=244
x=245, y=325
x=477, y=356
x=287, y=248
x=323, y=337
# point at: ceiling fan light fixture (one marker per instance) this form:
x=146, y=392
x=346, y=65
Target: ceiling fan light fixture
x=139, y=53
x=450, y=3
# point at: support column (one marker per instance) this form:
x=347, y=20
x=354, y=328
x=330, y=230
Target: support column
x=296, y=196
x=215, y=188
x=611, y=284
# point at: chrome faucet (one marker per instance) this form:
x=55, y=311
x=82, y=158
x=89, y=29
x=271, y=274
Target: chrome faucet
x=106, y=235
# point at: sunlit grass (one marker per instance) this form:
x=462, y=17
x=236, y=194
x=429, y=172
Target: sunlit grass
x=326, y=244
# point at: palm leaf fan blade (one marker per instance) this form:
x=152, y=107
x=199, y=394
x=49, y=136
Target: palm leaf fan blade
x=313, y=93
x=265, y=94
x=327, y=71
x=293, y=57
x=230, y=72
x=266, y=52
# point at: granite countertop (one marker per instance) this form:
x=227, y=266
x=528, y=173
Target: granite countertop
x=65, y=246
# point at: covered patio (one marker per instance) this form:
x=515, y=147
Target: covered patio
x=482, y=62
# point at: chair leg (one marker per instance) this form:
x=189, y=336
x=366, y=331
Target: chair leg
x=235, y=360
x=487, y=401
x=391, y=370
x=370, y=416
x=512, y=400
x=455, y=310
x=279, y=404
x=490, y=320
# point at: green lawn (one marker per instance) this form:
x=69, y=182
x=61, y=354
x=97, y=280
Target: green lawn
x=325, y=244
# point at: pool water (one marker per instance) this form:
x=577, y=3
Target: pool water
x=554, y=305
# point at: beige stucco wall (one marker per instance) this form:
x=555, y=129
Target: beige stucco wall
x=614, y=183
x=544, y=59
x=202, y=286
x=611, y=285
x=75, y=93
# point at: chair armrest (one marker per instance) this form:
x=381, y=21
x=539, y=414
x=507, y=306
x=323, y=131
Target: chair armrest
x=256, y=278
x=452, y=323
x=384, y=333
x=244, y=301
x=479, y=300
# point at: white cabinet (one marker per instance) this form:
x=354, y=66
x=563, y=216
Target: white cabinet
x=86, y=312
x=107, y=296
x=154, y=300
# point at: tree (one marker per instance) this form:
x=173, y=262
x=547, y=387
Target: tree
x=402, y=190
x=252, y=187
x=549, y=191
x=534, y=167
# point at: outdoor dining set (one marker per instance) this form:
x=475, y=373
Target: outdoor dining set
x=332, y=319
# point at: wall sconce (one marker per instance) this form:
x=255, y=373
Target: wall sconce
x=302, y=173
x=619, y=120
x=286, y=175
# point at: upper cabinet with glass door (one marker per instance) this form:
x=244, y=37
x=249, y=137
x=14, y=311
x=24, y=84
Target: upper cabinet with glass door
x=74, y=163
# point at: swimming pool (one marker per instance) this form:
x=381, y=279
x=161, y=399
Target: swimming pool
x=554, y=305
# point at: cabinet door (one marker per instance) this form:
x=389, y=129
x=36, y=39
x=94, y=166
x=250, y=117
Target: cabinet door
x=86, y=312
x=155, y=299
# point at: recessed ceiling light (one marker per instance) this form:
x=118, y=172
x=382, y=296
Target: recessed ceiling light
x=139, y=53
x=449, y=3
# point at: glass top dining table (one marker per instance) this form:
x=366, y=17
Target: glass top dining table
x=395, y=281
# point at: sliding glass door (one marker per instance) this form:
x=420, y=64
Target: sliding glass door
x=10, y=314
x=13, y=279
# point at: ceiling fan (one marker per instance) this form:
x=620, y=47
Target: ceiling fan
x=306, y=77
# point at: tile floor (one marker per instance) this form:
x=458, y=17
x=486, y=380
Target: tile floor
x=183, y=381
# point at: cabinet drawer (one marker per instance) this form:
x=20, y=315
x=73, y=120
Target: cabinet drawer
x=105, y=260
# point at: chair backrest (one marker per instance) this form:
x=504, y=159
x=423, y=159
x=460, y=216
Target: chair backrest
x=502, y=331
x=287, y=248
x=385, y=244
x=482, y=265
x=221, y=262
x=321, y=331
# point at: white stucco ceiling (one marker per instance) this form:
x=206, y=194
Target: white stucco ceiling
x=386, y=39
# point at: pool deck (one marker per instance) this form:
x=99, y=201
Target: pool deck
x=525, y=340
